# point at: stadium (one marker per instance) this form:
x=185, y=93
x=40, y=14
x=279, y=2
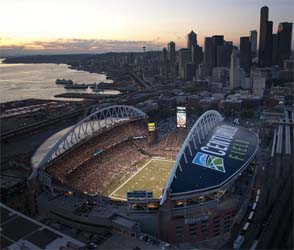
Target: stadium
x=111, y=170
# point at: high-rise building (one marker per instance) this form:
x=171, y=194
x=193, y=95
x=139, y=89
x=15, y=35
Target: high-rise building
x=262, y=34
x=265, y=39
x=190, y=71
x=164, y=54
x=269, y=44
x=208, y=54
x=184, y=59
x=284, y=39
x=191, y=40
x=217, y=40
x=245, y=53
x=171, y=47
x=224, y=54
x=275, y=50
x=197, y=54
x=211, y=53
x=235, y=69
x=164, y=63
x=253, y=42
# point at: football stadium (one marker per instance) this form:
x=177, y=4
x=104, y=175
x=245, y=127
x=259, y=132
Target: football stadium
x=113, y=169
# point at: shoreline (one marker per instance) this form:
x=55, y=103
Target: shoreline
x=45, y=59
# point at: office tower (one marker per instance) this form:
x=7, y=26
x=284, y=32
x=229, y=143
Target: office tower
x=164, y=55
x=265, y=39
x=164, y=63
x=275, y=50
x=171, y=47
x=245, y=53
x=284, y=39
x=224, y=54
x=190, y=71
x=269, y=44
x=197, y=54
x=262, y=34
x=184, y=59
x=191, y=40
x=234, y=70
x=208, y=54
x=171, y=51
x=217, y=41
x=253, y=42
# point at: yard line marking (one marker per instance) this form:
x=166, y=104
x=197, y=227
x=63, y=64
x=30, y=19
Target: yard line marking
x=130, y=178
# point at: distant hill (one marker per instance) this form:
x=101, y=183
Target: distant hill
x=49, y=58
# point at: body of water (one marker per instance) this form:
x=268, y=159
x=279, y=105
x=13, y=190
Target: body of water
x=23, y=81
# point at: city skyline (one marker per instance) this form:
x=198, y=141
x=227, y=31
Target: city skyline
x=77, y=27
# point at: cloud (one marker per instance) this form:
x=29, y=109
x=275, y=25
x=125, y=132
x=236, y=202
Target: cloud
x=68, y=46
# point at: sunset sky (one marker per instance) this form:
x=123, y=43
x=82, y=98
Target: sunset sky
x=103, y=25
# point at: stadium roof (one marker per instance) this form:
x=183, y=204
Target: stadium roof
x=210, y=166
x=86, y=128
x=219, y=153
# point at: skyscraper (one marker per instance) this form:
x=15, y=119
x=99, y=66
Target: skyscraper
x=171, y=47
x=197, y=54
x=184, y=59
x=262, y=34
x=191, y=40
x=275, y=50
x=224, y=54
x=208, y=53
x=234, y=70
x=164, y=54
x=190, y=71
x=269, y=44
x=164, y=63
x=245, y=53
x=217, y=41
x=253, y=42
x=284, y=39
x=265, y=39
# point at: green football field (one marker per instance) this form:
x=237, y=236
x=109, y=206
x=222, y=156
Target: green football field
x=152, y=177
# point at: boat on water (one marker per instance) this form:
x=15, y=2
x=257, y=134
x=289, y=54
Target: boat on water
x=94, y=85
x=63, y=81
x=99, y=85
x=76, y=86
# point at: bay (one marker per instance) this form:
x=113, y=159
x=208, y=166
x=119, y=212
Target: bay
x=24, y=81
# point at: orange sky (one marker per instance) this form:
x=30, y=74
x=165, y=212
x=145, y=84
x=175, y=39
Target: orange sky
x=157, y=21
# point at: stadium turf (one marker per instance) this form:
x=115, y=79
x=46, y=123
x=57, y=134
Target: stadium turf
x=152, y=177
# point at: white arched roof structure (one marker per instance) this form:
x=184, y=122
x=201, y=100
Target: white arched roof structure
x=88, y=127
x=205, y=123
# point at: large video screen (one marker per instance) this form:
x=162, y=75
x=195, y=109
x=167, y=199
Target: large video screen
x=151, y=126
x=181, y=117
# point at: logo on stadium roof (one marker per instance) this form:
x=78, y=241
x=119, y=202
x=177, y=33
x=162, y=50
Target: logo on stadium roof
x=209, y=161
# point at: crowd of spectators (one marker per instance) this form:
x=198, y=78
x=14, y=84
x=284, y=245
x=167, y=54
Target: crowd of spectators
x=112, y=156
x=96, y=174
x=167, y=147
x=83, y=152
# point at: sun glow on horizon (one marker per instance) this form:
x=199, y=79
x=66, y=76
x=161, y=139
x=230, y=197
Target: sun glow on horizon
x=154, y=21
